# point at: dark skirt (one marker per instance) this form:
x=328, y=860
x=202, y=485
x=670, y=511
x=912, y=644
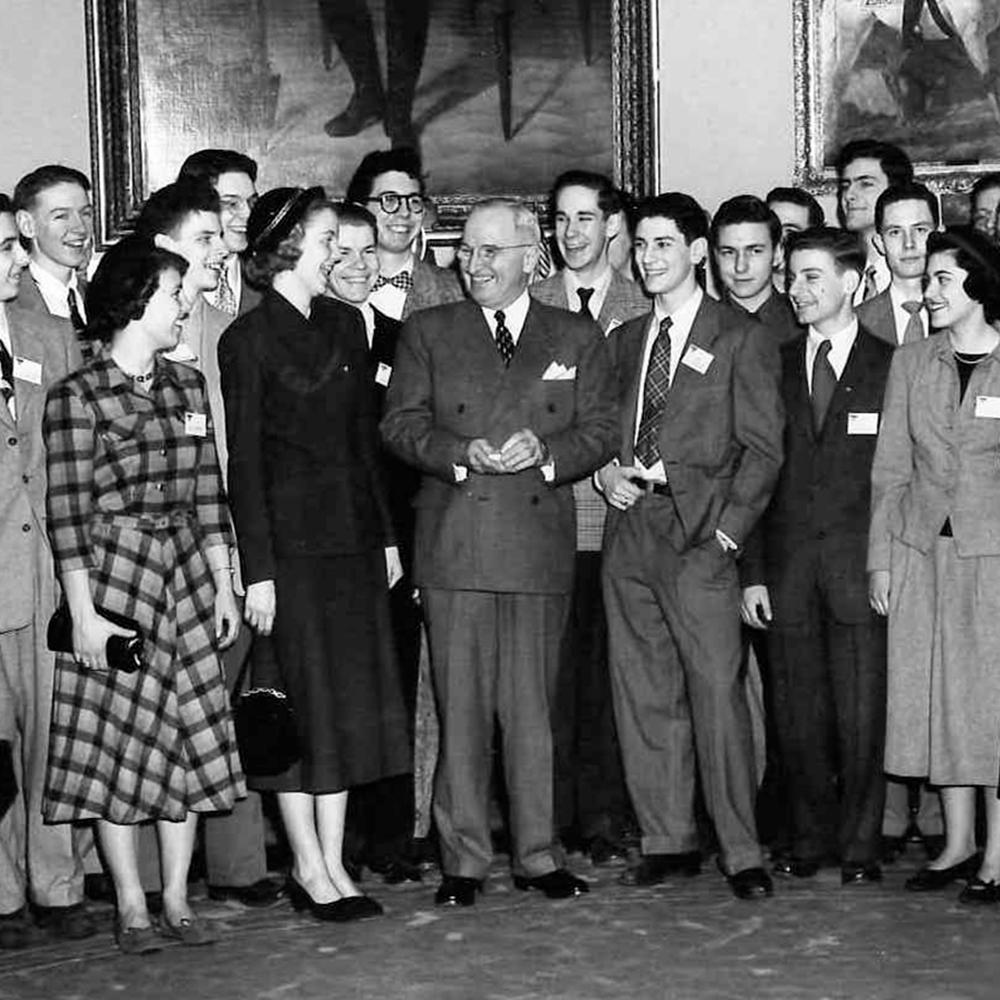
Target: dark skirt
x=334, y=656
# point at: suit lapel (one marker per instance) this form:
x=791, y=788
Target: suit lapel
x=850, y=379
x=631, y=342
x=799, y=401
x=704, y=332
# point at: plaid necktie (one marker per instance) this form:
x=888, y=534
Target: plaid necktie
x=914, y=331
x=585, y=296
x=7, y=379
x=403, y=281
x=225, y=297
x=654, y=397
x=505, y=340
x=824, y=382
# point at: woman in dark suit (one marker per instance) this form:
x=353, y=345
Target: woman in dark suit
x=934, y=555
x=315, y=534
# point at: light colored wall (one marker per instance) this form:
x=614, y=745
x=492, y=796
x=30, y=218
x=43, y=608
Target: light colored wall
x=43, y=87
x=725, y=84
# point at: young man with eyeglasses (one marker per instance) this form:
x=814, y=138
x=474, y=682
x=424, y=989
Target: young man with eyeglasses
x=389, y=183
x=234, y=177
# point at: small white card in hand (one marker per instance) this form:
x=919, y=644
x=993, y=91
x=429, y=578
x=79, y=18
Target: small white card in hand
x=27, y=370
x=383, y=373
x=986, y=406
x=697, y=358
x=862, y=423
x=195, y=424
x=557, y=372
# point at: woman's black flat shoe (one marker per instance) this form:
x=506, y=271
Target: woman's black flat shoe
x=934, y=879
x=339, y=911
x=979, y=893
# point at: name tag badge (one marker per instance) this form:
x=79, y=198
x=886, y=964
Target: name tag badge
x=697, y=358
x=195, y=424
x=862, y=423
x=986, y=406
x=27, y=370
x=383, y=373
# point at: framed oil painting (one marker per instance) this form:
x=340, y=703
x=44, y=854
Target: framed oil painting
x=922, y=74
x=500, y=95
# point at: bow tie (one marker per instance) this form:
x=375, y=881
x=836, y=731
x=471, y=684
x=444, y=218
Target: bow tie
x=403, y=280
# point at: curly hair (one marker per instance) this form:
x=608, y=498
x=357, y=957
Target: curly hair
x=123, y=284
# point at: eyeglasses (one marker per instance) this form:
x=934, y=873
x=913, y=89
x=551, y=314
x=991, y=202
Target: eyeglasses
x=487, y=252
x=390, y=202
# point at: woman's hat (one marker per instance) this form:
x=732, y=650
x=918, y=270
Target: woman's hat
x=275, y=214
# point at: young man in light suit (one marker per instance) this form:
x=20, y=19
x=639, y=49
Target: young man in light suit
x=39, y=864
x=592, y=808
x=502, y=403
x=699, y=453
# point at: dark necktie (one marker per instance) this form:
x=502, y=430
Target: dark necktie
x=654, y=397
x=914, y=331
x=505, y=341
x=871, y=287
x=824, y=382
x=74, y=312
x=585, y=296
x=6, y=377
x=403, y=281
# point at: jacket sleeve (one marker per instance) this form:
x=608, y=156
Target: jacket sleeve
x=209, y=496
x=242, y=389
x=892, y=467
x=408, y=428
x=758, y=425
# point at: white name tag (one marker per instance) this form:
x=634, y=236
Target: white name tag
x=383, y=373
x=862, y=423
x=195, y=424
x=698, y=359
x=986, y=406
x=27, y=370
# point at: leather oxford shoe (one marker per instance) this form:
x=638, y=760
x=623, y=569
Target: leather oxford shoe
x=933, y=879
x=795, y=867
x=456, y=890
x=656, y=868
x=859, y=874
x=559, y=884
x=751, y=883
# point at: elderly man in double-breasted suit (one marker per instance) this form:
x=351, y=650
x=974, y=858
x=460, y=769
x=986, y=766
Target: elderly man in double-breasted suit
x=39, y=864
x=502, y=403
x=699, y=453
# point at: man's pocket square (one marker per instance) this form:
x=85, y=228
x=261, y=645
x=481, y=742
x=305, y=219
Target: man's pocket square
x=558, y=373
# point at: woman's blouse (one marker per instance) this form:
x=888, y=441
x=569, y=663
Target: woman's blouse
x=120, y=454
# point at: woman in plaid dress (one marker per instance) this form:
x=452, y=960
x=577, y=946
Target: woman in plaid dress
x=139, y=528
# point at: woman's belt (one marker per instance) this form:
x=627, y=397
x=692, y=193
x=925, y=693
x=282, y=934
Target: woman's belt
x=183, y=517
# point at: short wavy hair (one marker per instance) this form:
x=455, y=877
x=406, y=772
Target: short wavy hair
x=262, y=265
x=124, y=282
x=976, y=254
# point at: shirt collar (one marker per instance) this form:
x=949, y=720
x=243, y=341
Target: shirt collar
x=897, y=298
x=5, y=328
x=514, y=315
x=683, y=314
x=407, y=268
x=573, y=283
x=50, y=284
x=848, y=332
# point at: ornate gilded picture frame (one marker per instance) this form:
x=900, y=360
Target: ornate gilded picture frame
x=507, y=93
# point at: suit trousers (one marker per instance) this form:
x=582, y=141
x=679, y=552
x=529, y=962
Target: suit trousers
x=676, y=655
x=494, y=655
x=828, y=681
x=34, y=855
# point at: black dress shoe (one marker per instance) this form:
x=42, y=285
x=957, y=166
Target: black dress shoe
x=73, y=923
x=933, y=879
x=979, y=893
x=457, y=890
x=338, y=911
x=751, y=883
x=264, y=892
x=859, y=874
x=656, y=868
x=795, y=867
x=560, y=884
x=361, y=112
x=99, y=887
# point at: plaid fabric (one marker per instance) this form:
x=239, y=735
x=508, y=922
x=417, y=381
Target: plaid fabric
x=136, y=498
x=591, y=512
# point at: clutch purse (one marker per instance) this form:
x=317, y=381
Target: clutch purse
x=124, y=653
x=264, y=722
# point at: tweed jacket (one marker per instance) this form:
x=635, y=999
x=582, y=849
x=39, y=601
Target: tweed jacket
x=41, y=339
x=816, y=525
x=507, y=533
x=721, y=430
x=937, y=458
x=432, y=286
x=625, y=299
x=30, y=306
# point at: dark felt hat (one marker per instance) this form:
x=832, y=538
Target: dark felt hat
x=275, y=214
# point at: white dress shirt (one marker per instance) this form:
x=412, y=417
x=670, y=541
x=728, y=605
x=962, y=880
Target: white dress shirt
x=55, y=294
x=840, y=348
x=600, y=287
x=389, y=299
x=513, y=316
x=900, y=316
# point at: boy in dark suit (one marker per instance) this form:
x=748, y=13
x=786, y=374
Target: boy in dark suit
x=804, y=570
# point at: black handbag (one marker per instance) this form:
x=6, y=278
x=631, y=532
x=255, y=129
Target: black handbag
x=124, y=653
x=264, y=720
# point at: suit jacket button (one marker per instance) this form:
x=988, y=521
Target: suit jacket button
x=25, y=478
x=552, y=407
x=534, y=501
x=26, y=528
x=461, y=407
x=12, y=441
